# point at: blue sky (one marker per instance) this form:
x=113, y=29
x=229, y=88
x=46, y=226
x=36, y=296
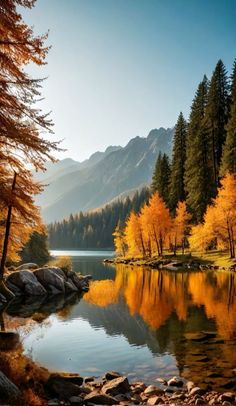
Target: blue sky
x=119, y=68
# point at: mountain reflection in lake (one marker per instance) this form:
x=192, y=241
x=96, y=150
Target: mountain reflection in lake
x=143, y=323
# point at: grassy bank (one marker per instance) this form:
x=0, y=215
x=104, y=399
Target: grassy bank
x=189, y=260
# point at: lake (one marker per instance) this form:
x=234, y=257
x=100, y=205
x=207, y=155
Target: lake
x=141, y=322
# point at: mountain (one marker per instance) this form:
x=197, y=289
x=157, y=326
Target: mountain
x=102, y=178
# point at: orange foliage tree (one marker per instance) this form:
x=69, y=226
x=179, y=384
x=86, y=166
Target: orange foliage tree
x=119, y=241
x=180, y=227
x=21, y=126
x=134, y=236
x=156, y=222
x=220, y=219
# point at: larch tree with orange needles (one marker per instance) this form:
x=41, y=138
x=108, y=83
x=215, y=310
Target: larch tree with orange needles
x=21, y=126
x=220, y=219
x=119, y=241
x=158, y=222
x=134, y=236
x=180, y=226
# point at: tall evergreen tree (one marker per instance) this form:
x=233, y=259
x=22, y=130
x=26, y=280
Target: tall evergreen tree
x=161, y=177
x=36, y=249
x=217, y=112
x=177, y=190
x=229, y=150
x=199, y=184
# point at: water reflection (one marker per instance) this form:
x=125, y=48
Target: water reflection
x=173, y=305
x=142, y=322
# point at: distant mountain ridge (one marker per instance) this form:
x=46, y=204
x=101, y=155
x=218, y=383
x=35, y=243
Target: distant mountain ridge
x=75, y=186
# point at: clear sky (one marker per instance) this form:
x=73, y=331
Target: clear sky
x=119, y=68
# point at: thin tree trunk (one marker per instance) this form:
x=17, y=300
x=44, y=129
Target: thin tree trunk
x=3, y=289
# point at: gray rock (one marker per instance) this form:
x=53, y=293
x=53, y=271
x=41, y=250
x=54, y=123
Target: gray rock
x=76, y=400
x=70, y=286
x=100, y=399
x=8, y=389
x=27, y=266
x=49, y=277
x=25, y=282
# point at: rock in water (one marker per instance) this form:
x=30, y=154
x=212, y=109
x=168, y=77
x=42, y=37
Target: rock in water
x=116, y=386
x=51, y=277
x=25, y=282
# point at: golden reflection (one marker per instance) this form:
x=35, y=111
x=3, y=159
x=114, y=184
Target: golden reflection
x=155, y=295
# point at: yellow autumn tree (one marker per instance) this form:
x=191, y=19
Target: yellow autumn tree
x=144, y=220
x=156, y=222
x=119, y=241
x=180, y=227
x=134, y=236
x=220, y=219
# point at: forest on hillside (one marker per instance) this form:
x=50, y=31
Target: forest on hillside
x=204, y=151
x=194, y=196
x=94, y=229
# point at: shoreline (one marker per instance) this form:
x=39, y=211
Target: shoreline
x=173, y=263
x=34, y=385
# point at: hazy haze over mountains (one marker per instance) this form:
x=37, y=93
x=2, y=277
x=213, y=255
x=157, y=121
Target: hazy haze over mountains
x=75, y=186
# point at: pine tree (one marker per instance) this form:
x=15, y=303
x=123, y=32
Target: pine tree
x=161, y=177
x=36, y=249
x=217, y=112
x=177, y=190
x=229, y=150
x=199, y=184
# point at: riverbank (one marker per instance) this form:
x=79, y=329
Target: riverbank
x=214, y=260
x=26, y=383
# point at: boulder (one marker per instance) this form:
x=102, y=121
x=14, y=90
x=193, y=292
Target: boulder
x=116, y=386
x=29, y=265
x=64, y=386
x=51, y=277
x=153, y=390
x=175, y=382
x=100, y=399
x=197, y=391
x=24, y=283
x=112, y=375
x=79, y=281
x=70, y=286
x=8, y=389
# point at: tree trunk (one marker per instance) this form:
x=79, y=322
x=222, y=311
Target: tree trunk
x=3, y=288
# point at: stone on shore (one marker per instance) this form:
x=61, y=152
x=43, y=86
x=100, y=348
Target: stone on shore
x=100, y=399
x=116, y=386
x=51, y=278
x=26, y=282
x=64, y=385
x=28, y=266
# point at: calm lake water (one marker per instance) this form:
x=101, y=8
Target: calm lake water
x=143, y=323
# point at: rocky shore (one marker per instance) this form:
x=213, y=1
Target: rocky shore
x=114, y=389
x=169, y=264
x=30, y=281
